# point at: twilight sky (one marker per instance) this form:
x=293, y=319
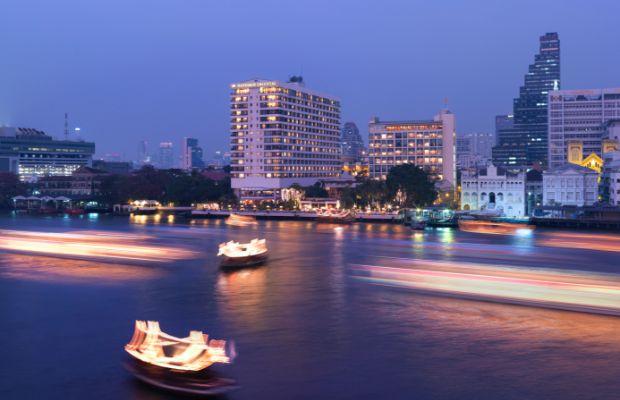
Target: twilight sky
x=128, y=70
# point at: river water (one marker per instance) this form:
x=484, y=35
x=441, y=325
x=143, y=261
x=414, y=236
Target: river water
x=304, y=327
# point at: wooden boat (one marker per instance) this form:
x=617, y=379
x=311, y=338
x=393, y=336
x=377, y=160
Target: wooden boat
x=193, y=353
x=494, y=227
x=335, y=216
x=237, y=255
x=240, y=220
x=177, y=364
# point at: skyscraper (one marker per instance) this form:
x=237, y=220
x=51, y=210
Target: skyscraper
x=191, y=156
x=352, y=143
x=166, y=156
x=526, y=142
x=144, y=158
x=281, y=133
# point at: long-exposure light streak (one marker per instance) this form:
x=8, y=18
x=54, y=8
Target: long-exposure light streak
x=89, y=245
x=570, y=290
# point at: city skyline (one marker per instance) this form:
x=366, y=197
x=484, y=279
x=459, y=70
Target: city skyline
x=191, y=98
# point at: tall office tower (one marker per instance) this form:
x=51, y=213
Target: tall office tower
x=352, y=143
x=144, y=157
x=166, y=156
x=525, y=144
x=578, y=119
x=503, y=122
x=281, y=133
x=426, y=143
x=191, y=157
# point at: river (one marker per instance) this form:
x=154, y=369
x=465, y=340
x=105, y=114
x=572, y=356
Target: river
x=303, y=325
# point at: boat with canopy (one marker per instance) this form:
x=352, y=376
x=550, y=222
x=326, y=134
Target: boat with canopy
x=235, y=254
x=178, y=364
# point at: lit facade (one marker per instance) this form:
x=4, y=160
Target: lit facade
x=32, y=154
x=281, y=134
x=493, y=191
x=525, y=143
x=428, y=144
x=578, y=118
x=570, y=185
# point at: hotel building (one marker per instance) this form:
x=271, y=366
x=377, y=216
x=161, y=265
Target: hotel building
x=33, y=154
x=281, y=134
x=428, y=144
x=578, y=119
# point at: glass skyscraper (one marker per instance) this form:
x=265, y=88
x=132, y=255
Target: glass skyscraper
x=352, y=143
x=525, y=143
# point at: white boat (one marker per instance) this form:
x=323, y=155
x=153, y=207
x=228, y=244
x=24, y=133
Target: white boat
x=235, y=254
x=240, y=220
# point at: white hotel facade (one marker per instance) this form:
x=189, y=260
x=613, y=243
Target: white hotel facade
x=281, y=133
x=579, y=116
x=429, y=144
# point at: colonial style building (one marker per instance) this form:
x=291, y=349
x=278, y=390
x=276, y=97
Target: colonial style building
x=570, y=185
x=426, y=143
x=281, y=134
x=85, y=182
x=494, y=191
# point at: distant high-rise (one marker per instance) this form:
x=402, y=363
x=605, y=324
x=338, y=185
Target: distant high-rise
x=166, y=156
x=352, y=143
x=144, y=158
x=191, y=156
x=526, y=142
x=474, y=149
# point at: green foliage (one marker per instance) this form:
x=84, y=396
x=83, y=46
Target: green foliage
x=10, y=186
x=166, y=186
x=315, y=191
x=410, y=186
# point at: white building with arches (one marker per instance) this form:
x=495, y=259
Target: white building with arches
x=493, y=191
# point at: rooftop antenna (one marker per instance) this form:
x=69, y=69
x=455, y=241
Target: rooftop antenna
x=66, y=126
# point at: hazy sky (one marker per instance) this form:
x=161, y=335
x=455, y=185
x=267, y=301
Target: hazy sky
x=128, y=70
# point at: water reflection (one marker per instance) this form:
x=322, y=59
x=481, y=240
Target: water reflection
x=50, y=269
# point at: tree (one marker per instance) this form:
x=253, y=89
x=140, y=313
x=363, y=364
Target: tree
x=316, y=190
x=10, y=186
x=410, y=186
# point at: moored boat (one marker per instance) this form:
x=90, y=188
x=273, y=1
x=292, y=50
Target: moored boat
x=237, y=255
x=494, y=227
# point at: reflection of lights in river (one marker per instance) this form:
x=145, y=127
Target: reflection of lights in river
x=579, y=291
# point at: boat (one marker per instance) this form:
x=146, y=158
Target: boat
x=237, y=255
x=177, y=364
x=417, y=225
x=240, y=220
x=335, y=216
x=494, y=227
x=74, y=211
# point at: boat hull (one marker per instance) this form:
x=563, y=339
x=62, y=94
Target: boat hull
x=202, y=383
x=245, y=261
